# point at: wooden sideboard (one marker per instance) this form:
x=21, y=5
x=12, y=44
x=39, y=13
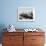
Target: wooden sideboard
x=23, y=39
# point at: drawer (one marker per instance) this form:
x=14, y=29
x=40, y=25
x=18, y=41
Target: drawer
x=20, y=44
x=34, y=39
x=37, y=44
x=8, y=45
x=12, y=39
x=34, y=33
x=37, y=39
x=13, y=33
x=27, y=37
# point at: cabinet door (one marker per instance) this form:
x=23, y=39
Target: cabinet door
x=13, y=40
x=27, y=40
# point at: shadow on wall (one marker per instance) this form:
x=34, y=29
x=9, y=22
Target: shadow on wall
x=2, y=26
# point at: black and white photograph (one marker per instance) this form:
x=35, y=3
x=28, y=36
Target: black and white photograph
x=26, y=14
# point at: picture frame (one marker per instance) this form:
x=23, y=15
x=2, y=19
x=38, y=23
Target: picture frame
x=26, y=14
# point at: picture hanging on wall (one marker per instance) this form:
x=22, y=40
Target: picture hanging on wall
x=26, y=14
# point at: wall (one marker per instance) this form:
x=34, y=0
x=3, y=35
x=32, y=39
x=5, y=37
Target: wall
x=9, y=13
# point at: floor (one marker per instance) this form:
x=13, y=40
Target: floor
x=0, y=44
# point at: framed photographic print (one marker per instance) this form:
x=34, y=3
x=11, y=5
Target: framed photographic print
x=26, y=14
